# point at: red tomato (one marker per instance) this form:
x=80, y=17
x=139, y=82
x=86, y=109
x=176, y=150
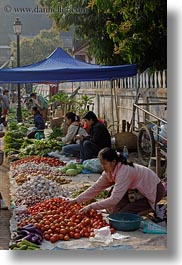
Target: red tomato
x=71, y=228
x=76, y=235
x=66, y=238
x=37, y=225
x=57, y=230
x=52, y=227
x=86, y=234
x=61, y=236
x=47, y=237
x=53, y=239
x=47, y=227
x=63, y=231
x=71, y=234
x=47, y=222
x=56, y=237
x=81, y=233
x=49, y=231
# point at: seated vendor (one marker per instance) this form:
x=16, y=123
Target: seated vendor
x=99, y=137
x=38, y=121
x=72, y=146
x=87, y=128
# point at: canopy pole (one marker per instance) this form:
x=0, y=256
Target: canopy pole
x=116, y=106
x=112, y=105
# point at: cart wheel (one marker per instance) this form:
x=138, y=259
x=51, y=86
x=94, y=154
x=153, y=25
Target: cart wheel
x=145, y=145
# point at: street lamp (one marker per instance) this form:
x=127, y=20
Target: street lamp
x=17, y=27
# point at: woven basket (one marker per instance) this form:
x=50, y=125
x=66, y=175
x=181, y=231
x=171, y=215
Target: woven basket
x=56, y=122
x=126, y=138
x=59, y=113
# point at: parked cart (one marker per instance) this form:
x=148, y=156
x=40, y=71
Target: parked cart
x=151, y=132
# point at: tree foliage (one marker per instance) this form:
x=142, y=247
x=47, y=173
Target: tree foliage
x=37, y=48
x=117, y=31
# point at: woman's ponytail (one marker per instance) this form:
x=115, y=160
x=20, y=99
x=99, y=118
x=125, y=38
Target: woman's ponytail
x=72, y=116
x=124, y=161
x=77, y=118
x=110, y=154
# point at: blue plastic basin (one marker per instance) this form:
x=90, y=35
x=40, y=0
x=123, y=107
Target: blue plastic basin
x=125, y=221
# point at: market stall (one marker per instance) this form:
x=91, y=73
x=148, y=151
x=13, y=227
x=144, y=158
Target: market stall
x=61, y=67
x=39, y=185
x=39, y=188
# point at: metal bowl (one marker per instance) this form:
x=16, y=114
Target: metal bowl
x=125, y=221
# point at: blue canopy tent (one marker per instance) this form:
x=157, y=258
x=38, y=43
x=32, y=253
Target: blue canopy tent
x=61, y=67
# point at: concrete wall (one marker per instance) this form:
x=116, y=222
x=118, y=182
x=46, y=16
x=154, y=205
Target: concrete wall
x=119, y=106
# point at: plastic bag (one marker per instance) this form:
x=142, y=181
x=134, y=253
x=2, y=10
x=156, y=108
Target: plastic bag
x=161, y=134
x=102, y=234
x=93, y=165
x=152, y=228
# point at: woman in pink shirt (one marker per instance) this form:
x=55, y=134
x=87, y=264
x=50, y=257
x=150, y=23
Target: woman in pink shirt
x=135, y=188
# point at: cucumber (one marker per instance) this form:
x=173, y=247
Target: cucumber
x=23, y=247
x=32, y=248
x=16, y=248
x=13, y=246
x=28, y=243
x=19, y=244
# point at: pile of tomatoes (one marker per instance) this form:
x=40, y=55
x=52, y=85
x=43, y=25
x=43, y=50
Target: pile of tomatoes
x=59, y=221
x=51, y=161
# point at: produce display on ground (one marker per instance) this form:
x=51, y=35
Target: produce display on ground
x=41, y=216
x=59, y=221
x=38, y=195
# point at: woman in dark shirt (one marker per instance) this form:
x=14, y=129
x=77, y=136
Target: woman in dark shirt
x=38, y=121
x=98, y=138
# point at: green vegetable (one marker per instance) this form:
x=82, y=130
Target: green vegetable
x=23, y=247
x=33, y=248
x=71, y=165
x=13, y=246
x=71, y=172
x=56, y=132
x=29, y=244
x=63, y=169
x=17, y=248
x=79, y=168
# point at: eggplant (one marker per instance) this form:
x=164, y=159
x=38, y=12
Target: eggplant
x=23, y=231
x=38, y=242
x=28, y=237
x=39, y=232
x=40, y=237
x=34, y=238
x=18, y=237
x=32, y=229
x=21, y=234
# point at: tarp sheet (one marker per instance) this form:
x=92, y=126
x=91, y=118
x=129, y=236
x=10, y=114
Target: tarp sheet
x=61, y=67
